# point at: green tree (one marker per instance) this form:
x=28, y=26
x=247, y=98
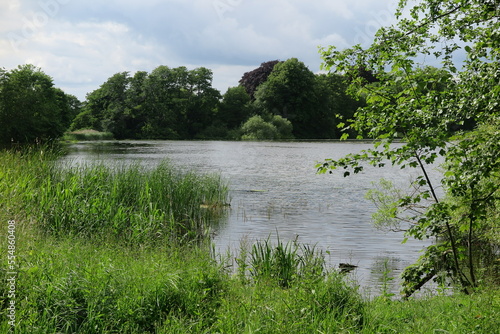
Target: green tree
x=203, y=101
x=258, y=129
x=292, y=91
x=283, y=126
x=31, y=108
x=164, y=103
x=338, y=106
x=135, y=113
x=234, y=108
x=104, y=108
x=425, y=108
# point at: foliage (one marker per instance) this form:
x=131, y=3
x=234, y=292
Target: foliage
x=428, y=109
x=290, y=92
x=177, y=103
x=253, y=79
x=234, y=108
x=256, y=128
x=314, y=104
x=337, y=106
x=283, y=126
x=168, y=103
x=31, y=108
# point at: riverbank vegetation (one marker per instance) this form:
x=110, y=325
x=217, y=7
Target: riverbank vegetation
x=107, y=249
x=450, y=115
x=87, y=135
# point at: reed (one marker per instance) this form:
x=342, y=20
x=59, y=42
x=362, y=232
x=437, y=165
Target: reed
x=129, y=203
x=284, y=263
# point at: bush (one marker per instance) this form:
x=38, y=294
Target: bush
x=256, y=128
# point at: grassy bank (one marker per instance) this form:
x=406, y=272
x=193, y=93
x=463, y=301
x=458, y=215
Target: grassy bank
x=87, y=135
x=102, y=249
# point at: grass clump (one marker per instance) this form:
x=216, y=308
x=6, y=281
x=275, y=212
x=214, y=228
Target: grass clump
x=132, y=203
x=87, y=135
x=283, y=263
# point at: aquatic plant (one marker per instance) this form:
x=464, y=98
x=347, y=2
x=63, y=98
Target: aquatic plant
x=128, y=202
x=285, y=262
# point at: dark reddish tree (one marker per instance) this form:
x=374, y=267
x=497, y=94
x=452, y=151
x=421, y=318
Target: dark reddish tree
x=251, y=80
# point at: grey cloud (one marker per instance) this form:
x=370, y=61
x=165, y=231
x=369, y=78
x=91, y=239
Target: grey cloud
x=94, y=39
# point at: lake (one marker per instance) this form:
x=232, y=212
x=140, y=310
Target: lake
x=274, y=188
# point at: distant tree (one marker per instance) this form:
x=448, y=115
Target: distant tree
x=253, y=79
x=234, y=108
x=165, y=103
x=168, y=103
x=69, y=106
x=31, y=108
x=283, y=126
x=258, y=129
x=203, y=101
x=339, y=106
x=135, y=113
x=104, y=107
x=291, y=91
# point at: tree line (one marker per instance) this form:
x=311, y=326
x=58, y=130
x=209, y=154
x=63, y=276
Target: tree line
x=277, y=100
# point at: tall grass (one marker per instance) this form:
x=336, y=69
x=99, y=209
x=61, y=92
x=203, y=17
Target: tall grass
x=129, y=203
x=21, y=172
x=283, y=263
x=76, y=286
x=80, y=271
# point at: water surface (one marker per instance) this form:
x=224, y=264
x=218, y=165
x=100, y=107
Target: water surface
x=274, y=188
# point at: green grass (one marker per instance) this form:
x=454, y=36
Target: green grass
x=131, y=203
x=283, y=263
x=73, y=285
x=477, y=313
x=104, y=249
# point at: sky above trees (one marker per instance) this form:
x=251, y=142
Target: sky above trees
x=80, y=43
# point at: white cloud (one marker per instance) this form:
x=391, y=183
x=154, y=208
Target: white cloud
x=81, y=43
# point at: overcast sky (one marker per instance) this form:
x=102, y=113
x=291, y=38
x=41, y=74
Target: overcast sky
x=81, y=43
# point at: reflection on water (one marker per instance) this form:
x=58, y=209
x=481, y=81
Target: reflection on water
x=274, y=187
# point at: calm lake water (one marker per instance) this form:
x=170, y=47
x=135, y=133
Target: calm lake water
x=274, y=187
